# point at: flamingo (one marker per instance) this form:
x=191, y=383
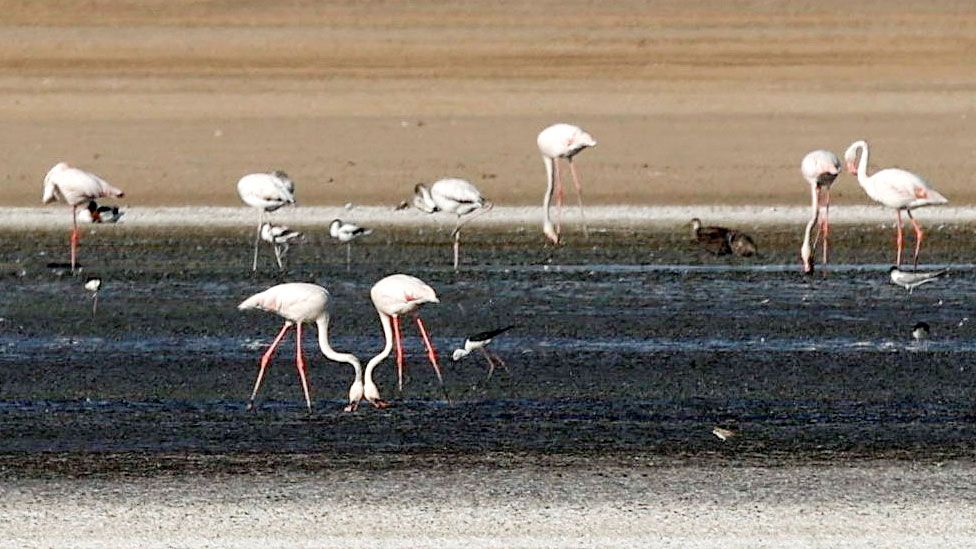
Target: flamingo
x=452, y=195
x=820, y=168
x=393, y=296
x=297, y=303
x=555, y=142
x=347, y=232
x=266, y=192
x=895, y=188
x=75, y=187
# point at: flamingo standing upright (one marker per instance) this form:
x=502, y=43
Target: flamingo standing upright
x=555, y=142
x=75, y=187
x=895, y=188
x=452, y=195
x=820, y=168
x=297, y=303
x=397, y=295
x=266, y=192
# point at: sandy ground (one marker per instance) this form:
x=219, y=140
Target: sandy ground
x=883, y=504
x=691, y=102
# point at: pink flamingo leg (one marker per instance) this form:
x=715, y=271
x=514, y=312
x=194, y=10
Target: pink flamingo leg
x=431, y=352
x=300, y=363
x=919, y=234
x=75, y=237
x=826, y=226
x=399, y=351
x=559, y=195
x=264, y=363
x=579, y=196
x=899, y=239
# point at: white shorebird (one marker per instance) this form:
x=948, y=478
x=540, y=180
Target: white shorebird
x=93, y=284
x=347, y=232
x=75, y=187
x=912, y=280
x=265, y=192
x=894, y=188
x=298, y=303
x=394, y=296
x=100, y=214
x=451, y=195
x=280, y=237
x=555, y=142
x=723, y=434
x=478, y=342
x=820, y=168
x=920, y=332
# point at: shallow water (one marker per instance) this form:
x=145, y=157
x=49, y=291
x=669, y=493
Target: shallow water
x=613, y=351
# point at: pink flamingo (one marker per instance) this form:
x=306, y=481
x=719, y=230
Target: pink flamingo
x=820, y=168
x=75, y=187
x=555, y=142
x=896, y=189
x=397, y=295
x=298, y=303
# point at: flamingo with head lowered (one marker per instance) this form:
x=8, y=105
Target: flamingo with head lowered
x=299, y=303
x=75, y=187
x=394, y=296
x=555, y=142
x=895, y=188
x=451, y=195
x=266, y=192
x=820, y=168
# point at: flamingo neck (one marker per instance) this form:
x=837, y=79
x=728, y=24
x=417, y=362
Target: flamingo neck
x=550, y=184
x=807, y=250
x=323, y=325
x=387, y=348
x=862, y=165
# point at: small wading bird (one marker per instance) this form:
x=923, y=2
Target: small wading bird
x=478, y=342
x=896, y=189
x=920, y=332
x=299, y=303
x=347, y=232
x=100, y=214
x=723, y=434
x=265, y=192
x=820, y=168
x=912, y=280
x=722, y=241
x=450, y=195
x=555, y=142
x=75, y=187
x=280, y=237
x=93, y=284
x=394, y=296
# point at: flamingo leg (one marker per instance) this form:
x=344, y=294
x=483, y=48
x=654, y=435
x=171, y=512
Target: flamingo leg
x=257, y=240
x=300, y=363
x=559, y=195
x=826, y=226
x=264, y=363
x=75, y=237
x=579, y=195
x=899, y=239
x=919, y=234
x=491, y=363
x=431, y=352
x=399, y=351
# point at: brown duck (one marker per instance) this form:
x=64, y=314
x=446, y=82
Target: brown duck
x=722, y=241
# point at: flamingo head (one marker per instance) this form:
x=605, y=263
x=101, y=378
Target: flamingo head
x=422, y=199
x=550, y=232
x=850, y=156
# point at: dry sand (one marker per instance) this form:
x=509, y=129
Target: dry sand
x=873, y=504
x=699, y=102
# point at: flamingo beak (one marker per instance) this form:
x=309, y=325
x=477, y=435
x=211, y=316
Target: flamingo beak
x=851, y=168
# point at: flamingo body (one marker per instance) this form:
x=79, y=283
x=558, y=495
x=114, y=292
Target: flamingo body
x=820, y=168
x=452, y=195
x=75, y=187
x=555, y=142
x=393, y=296
x=299, y=303
x=894, y=188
